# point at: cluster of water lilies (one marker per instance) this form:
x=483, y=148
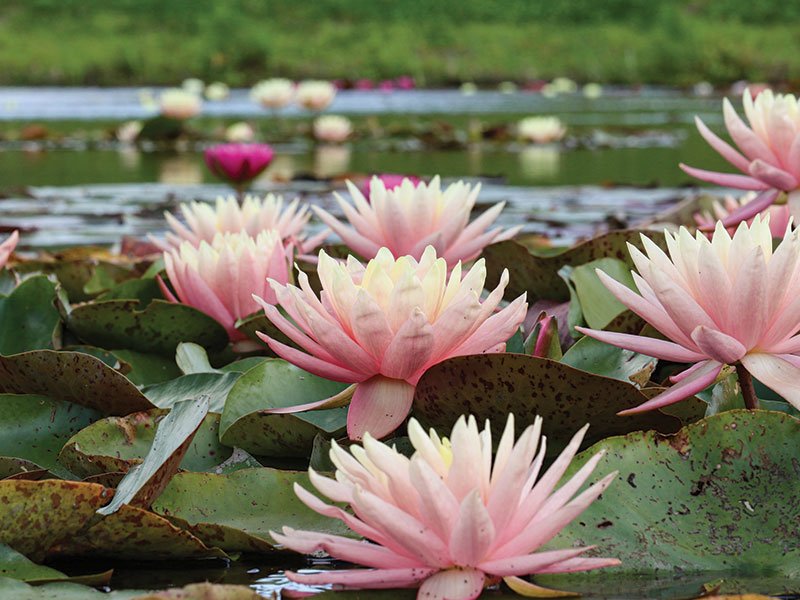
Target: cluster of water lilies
x=402, y=318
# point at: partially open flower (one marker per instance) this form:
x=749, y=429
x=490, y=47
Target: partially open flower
x=768, y=154
x=382, y=326
x=719, y=301
x=253, y=216
x=449, y=520
x=7, y=247
x=220, y=278
x=412, y=216
x=332, y=128
x=315, y=95
x=541, y=130
x=779, y=216
x=238, y=163
x=273, y=93
x=179, y=104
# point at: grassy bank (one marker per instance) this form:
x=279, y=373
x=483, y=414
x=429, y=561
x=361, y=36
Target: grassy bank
x=148, y=42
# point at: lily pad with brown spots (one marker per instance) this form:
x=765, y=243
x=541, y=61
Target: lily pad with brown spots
x=116, y=444
x=490, y=386
x=538, y=274
x=158, y=328
x=29, y=319
x=74, y=377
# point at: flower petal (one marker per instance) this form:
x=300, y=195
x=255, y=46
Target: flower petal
x=699, y=380
x=379, y=406
x=776, y=373
x=453, y=584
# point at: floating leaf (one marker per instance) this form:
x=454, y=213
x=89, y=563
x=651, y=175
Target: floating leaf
x=598, y=305
x=254, y=323
x=192, y=358
x=716, y=496
x=172, y=439
x=73, y=377
x=17, y=566
x=215, y=386
x=12, y=467
x=490, y=386
x=116, y=444
x=237, y=511
x=144, y=290
x=28, y=317
x=538, y=274
x=589, y=354
x=36, y=515
x=272, y=384
x=159, y=328
x=147, y=369
x=34, y=428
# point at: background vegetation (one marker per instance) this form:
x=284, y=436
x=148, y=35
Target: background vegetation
x=119, y=42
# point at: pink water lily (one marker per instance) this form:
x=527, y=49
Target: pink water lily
x=390, y=182
x=382, y=326
x=779, y=216
x=252, y=216
x=238, y=163
x=724, y=301
x=220, y=278
x=7, y=247
x=449, y=520
x=768, y=152
x=412, y=216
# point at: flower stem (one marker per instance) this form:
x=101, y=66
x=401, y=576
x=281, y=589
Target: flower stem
x=746, y=383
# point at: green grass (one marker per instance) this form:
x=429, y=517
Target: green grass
x=126, y=42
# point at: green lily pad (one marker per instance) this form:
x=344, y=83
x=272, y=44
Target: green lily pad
x=116, y=444
x=254, y=323
x=29, y=318
x=17, y=566
x=73, y=377
x=34, y=428
x=36, y=515
x=146, y=369
x=598, y=305
x=490, y=386
x=720, y=495
x=538, y=274
x=237, y=511
x=132, y=533
x=277, y=383
x=145, y=481
x=144, y=290
x=158, y=329
x=589, y=354
x=205, y=591
x=12, y=467
x=215, y=386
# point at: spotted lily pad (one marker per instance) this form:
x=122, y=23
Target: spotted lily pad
x=538, y=274
x=490, y=386
x=276, y=383
x=237, y=511
x=73, y=377
x=159, y=328
x=28, y=317
x=215, y=386
x=34, y=428
x=12, y=467
x=116, y=444
x=720, y=495
x=589, y=354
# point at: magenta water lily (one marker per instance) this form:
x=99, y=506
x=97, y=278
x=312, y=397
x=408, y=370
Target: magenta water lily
x=449, y=520
x=238, y=163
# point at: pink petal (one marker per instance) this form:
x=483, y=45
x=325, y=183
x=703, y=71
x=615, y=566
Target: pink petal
x=528, y=563
x=410, y=350
x=573, y=565
x=723, y=148
x=312, y=364
x=437, y=505
x=777, y=374
x=473, y=531
x=741, y=182
x=644, y=345
x=772, y=176
x=747, y=141
x=453, y=584
x=364, y=578
x=379, y=406
x=718, y=345
x=689, y=386
x=747, y=211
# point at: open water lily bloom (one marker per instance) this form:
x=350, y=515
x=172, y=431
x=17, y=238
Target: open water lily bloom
x=779, y=216
x=449, y=520
x=382, y=326
x=315, y=95
x=724, y=301
x=220, y=278
x=177, y=103
x=768, y=152
x=253, y=216
x=412, y=216
x=7, y=247
x=273, y=93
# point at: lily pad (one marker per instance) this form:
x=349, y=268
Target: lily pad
x=205, y=591
x=589, y=354
x=12, y=467
x=237, y=511
x=147, y=369
x=17, y=566
x=271, y=384
x=34, y=428
x=598, y=305
x=256, y=322
x=29, y=318
x=717, y=496
x=538, y=274
x=73, y=377
x=36, y=515
x=490, y=386
x=159, y=328
x=116, y=444
x=144, y=482
x=215, y=386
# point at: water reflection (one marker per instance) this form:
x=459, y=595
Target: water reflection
x=130, y=158
x=181, y=169
x=540, y=163
x=330, y=161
